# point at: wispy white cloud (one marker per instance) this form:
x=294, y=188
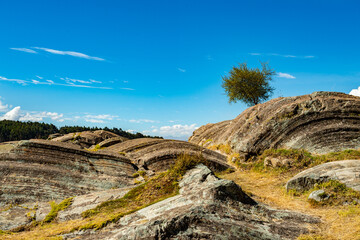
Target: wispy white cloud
x=70, y=53
x=181, y=70
x=72, y=81
x=102, y=116
x=174, y=131
x=285, y=75
x=95, y=81
x=282, y=55
x=94, y=120
x=69, y=83
x=19, y=81
x=142, y=121
x=24, y=50
x=355, y=92
x=130, y=89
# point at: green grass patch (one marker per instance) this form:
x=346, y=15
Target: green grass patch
x=224, y=148
x=299, y=160
x=96, y=148
x=5, y=232
x=338, y=194
x=56, y=208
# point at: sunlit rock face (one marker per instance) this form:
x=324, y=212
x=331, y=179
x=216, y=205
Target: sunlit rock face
x=44, y=170
x=320, y=122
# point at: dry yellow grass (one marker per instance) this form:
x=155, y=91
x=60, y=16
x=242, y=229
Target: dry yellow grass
x=341, y=222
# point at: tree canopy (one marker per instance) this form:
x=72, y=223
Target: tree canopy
x=250, y=86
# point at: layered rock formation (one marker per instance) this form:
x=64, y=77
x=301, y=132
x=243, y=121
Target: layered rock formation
x=42, y=170
x=159, y=154
x=206, y=208
x=320, y=122
x=347, y=172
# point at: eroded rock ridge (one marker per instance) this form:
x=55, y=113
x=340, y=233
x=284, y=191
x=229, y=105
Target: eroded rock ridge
x=320, y=122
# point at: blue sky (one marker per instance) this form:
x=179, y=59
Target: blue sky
x=155, y=66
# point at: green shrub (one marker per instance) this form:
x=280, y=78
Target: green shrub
x=56, y=208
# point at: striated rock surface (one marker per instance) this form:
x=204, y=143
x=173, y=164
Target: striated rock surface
x=85, y=139
x=347, y=172
x=206, y=208
x=320, y=122
x=42, y=170
x=21, y=215
x=160, y=154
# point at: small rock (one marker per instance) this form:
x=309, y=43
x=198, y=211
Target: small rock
x=318, y=196
x=277, y=162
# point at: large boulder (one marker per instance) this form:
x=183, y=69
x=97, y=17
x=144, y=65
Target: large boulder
x=320, y=122
x=206, y=208
x=346, y=172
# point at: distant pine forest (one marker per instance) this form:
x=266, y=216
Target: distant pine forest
x=16, y=130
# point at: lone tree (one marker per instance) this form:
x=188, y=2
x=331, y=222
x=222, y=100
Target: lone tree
x=250, y=86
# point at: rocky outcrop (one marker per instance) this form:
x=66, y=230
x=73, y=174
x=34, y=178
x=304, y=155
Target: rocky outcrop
x=346, y=172
x=85, y=139
x=320, y=122
x=21, y=215
x=206, y=208
x=41, y=170
x=160, y=154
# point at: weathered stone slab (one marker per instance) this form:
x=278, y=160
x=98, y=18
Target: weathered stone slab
x=347, y=172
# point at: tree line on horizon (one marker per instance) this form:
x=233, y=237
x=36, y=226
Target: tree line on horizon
x=16, y=130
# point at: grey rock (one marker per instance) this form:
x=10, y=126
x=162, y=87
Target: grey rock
x=206, y=208
x=318, y=196
x=82, y=203
x=14, y=217
x=346, y=171
x=277, y=162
